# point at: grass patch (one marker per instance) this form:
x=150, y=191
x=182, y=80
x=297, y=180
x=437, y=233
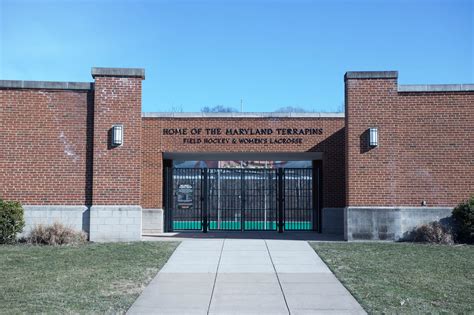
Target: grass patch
x=92, y=278
x=404, y=277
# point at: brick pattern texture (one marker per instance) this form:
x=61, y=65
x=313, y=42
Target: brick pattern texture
x=45, y=146
x=55, y=146
x=330, y=142
x=117, y=171
x=426, y=145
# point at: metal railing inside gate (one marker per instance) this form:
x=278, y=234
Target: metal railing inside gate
x=298, y=199
x=240, y=199
x=225, y=199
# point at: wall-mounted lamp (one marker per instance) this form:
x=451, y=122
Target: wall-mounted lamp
x=373, y=137
x=117, y=135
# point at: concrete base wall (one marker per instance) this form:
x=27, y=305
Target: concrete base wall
x=115, y=223
x=76, y=217
x=332, y=221
x=152, y=221
x=388, y=223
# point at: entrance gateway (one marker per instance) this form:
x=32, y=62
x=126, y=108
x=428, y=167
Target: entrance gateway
x=107, y=168
x=242, y=199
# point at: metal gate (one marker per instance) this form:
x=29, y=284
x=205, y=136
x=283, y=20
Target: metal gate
x=240, y=199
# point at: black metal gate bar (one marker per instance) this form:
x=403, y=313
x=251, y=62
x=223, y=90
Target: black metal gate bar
x=241, y=199
x=281, y=200
x=260, y=210
x=204, y=200
x=168, y=198
x=225, y=202
x=298, y=199
x=317, y=194
x=186, y=201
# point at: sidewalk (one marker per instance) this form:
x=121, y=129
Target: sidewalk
x=229, y=276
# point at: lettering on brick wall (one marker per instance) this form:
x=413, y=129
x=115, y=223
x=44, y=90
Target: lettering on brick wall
x=242, y=135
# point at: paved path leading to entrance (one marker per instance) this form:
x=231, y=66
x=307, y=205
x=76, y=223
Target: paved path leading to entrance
x=229, y=276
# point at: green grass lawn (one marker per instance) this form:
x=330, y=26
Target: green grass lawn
x=92, y=278
x=404, y=277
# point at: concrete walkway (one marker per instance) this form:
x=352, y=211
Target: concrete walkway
x=229, y=276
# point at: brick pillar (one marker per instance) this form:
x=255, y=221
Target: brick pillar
x=370, y=99
x=116, y=213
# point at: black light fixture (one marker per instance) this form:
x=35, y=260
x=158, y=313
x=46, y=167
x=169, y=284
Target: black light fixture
x=373, y=137
x=117, y=135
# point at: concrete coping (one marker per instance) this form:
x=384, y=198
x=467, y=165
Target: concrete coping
x=241, y=115
x=118, y=72
x=19, y=84
x=436, y=88
x=371, y=75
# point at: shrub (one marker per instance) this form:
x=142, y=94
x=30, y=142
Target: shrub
x=55, y=234
x=11, y=220
x=463, y=217
x=433, y=232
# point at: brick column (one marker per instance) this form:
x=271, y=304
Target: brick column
x=370, y=99
x=116, y=212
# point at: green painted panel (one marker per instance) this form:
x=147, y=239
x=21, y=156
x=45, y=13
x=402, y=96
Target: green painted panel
x=236, y=225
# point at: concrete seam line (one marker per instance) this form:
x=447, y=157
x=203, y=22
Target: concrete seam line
x=278, y=278
x=215, y=278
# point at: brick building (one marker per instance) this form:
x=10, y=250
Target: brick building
x=84, y=154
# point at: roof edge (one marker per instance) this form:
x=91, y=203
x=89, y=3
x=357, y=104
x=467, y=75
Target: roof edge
x=118, y=72
x=240, y=115
x=354, y=75
x=436, y=88
x=20, y=84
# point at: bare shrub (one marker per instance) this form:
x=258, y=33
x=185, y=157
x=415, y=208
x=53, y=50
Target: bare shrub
x=433, y=232
x=55, y=234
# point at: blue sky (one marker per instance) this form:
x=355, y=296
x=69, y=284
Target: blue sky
x=269, y=53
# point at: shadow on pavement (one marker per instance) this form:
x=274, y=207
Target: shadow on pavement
x=267, y=235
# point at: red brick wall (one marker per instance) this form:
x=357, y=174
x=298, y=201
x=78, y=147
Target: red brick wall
x=331, y=143
x=425, y=152
x=426, y=145
x=44, y=147
x=117, y=170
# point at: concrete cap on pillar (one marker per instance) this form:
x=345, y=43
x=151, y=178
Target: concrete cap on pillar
x=371, y=75
x=118, y=72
